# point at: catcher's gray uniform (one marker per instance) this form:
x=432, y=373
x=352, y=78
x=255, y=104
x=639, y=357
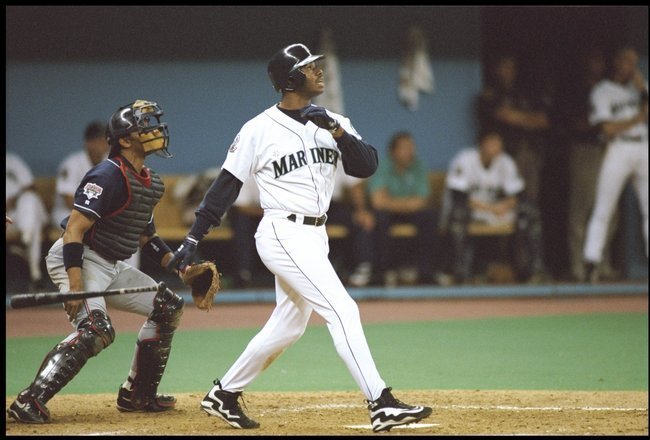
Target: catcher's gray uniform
x=112, y=216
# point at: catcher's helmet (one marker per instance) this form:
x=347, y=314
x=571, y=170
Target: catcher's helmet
x=284, y=67
x=142, y=117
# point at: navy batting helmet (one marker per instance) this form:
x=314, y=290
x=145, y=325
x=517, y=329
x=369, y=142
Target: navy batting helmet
x=284, y=67
x=142, y=117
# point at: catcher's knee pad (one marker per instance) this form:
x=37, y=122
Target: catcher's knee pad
x=96, y=332
x=67, y=358
x=167, y=311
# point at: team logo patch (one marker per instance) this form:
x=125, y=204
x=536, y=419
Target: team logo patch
x=93, y=191
x=233, y=146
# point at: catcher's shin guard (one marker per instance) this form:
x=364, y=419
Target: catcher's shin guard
x=152, y=355
x=67, y=358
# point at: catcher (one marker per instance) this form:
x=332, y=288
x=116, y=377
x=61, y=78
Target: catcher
x=112, y=216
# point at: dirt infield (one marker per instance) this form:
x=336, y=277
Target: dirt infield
x=474, y=412
x=344, y=413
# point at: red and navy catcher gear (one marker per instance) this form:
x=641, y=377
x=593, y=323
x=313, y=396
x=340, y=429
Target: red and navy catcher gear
x=142, y=117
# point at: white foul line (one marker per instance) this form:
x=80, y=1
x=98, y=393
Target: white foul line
x=475, y=407
x=536, y=408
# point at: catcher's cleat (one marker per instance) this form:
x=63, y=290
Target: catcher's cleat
x=387, y=411
x=27, y=409
x=225, y=405
x=161, y=402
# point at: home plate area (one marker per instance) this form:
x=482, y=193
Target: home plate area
x=410, y=426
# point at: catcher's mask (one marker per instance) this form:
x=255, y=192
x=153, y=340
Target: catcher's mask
x=284, y=67
x=142, y=117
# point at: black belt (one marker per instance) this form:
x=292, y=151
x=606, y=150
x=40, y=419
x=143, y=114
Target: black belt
x=313, y=221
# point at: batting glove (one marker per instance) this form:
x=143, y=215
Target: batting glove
x=318, y=115
x=184, y=255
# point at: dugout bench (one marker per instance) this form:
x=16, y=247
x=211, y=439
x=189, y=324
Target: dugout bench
x=170, y=227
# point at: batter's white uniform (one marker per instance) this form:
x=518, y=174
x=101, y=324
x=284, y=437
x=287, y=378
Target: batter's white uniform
x=28, y=213
x=626, y=158
x=68, y=177
x=467, y=174
x=294, y=166
x=249, y=195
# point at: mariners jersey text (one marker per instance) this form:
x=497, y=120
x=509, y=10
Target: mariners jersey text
x=296, y=160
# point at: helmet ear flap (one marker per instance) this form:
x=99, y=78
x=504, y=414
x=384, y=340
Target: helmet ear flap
x=295, y=80
x=291, y=84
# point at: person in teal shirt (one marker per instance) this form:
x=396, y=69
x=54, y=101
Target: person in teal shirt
x=400, y=193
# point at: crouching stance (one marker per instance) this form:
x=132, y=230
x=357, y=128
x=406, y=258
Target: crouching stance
x=112, y=216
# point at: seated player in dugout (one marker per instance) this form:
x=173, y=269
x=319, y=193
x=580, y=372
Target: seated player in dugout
x=112, y=216
x=484, y=185
x=400, y=193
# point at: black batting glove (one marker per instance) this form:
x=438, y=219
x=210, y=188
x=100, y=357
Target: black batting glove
x=318, y=115
x=184, y=255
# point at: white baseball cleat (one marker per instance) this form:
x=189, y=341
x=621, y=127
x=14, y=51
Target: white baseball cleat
x=387, y=411
x=225, y=405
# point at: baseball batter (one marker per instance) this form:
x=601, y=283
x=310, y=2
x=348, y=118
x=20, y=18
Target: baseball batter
x=620, y=111
x=112, y=216
x=292, y=150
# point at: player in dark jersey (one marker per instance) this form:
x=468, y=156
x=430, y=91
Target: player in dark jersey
x=111, y=218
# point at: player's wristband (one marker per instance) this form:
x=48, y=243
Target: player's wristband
x=334, y=129
x=156, y=249
x=73, y=255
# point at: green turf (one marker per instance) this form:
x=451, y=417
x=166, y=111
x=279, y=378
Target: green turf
x=578, y=352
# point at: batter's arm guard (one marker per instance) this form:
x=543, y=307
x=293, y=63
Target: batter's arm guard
x=359, y=158
x=217, y=200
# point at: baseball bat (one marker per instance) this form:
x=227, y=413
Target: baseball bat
x=40, y=299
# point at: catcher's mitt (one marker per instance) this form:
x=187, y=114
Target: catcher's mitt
x=204, y=280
